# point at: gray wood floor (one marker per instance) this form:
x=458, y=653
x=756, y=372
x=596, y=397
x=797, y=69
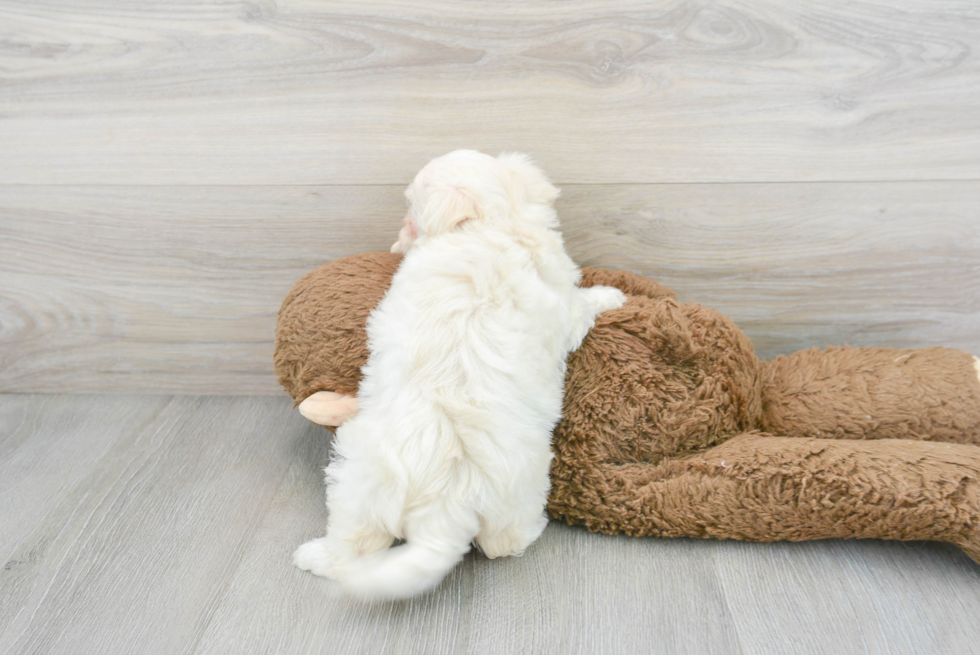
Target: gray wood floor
x=164, y=524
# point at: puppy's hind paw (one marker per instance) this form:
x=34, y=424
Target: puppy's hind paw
x=313, y=556
x=513, y=540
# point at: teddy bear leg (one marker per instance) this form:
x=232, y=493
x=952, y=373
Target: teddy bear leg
x=328, y=408
x=757, y=487
x=873, y=393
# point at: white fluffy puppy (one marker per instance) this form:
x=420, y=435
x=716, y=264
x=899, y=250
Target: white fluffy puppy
x=463, y=385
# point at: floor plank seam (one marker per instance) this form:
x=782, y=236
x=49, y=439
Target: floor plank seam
x=239, y=558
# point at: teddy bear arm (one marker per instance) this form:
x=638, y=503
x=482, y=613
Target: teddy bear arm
x=873, y=393
x=328, y=408
x=758, y=487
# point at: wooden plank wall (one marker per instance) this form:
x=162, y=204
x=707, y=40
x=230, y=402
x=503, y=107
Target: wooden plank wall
x=168, y=169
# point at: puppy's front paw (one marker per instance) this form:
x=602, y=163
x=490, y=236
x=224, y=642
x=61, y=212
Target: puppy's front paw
x=603, y=299
x=314, y=556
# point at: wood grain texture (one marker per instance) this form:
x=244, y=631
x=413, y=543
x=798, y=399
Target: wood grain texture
x=303, y=92
x=164, y=289
x=174, y=536
x=135, y=556
x=42, y=459
x=800, y=265
x=849, y=597
x=176, y=289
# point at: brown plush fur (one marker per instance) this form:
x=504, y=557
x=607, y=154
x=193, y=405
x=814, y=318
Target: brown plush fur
x=673, y=427
x=321, y=340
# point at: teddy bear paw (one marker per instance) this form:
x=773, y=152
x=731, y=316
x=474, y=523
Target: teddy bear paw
x=328, y=408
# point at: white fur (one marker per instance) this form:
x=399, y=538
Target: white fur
x=463, y=384
x=976, y=365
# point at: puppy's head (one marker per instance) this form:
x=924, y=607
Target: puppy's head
x=467, y=186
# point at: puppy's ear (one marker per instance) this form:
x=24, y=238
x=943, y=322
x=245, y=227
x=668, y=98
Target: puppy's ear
x=445, y=208
x=536, y=186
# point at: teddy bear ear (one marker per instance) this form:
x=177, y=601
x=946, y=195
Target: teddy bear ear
x=445, y=208
x=533, y=181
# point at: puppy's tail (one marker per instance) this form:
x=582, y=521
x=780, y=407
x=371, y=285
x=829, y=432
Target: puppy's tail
x=400, y=572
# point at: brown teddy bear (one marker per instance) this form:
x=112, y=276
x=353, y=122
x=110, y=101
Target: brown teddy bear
x=672, y=427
